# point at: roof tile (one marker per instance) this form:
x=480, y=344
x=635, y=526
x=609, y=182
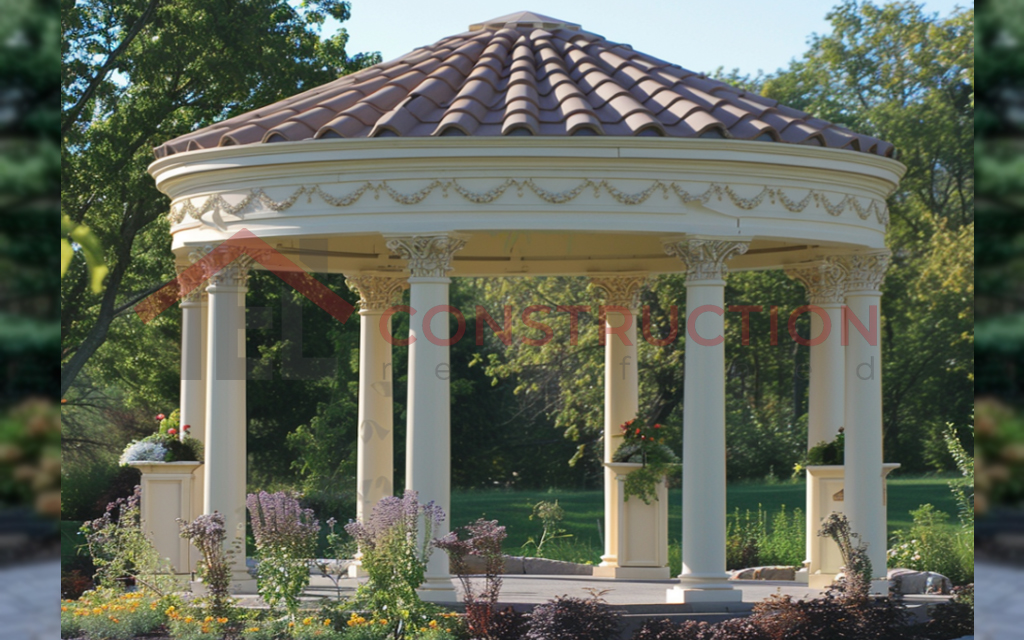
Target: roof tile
x=525, y=71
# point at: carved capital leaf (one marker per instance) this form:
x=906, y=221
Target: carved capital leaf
x=376, y=293
x=428, y=256
x=866, y=270
x=826, y=281
x=705, y=258
x=620, y=291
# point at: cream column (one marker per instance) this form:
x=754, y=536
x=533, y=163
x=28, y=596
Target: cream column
x=193, y=360
x=428, y=428
x=863, y=496
x=826, y=287
x=621, y=399
x=375, y=464
x=704, y=486
x=225, y=455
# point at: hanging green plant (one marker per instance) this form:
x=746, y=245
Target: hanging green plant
x=645, y=444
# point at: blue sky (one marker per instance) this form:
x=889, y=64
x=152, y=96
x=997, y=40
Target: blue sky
x=699, y=35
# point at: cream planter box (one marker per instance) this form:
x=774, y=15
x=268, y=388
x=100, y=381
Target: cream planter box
x=169, y=493
x=638, y=538
x=825, y=496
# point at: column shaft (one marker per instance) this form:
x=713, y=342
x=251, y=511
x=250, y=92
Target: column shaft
x=375, y=458
x=704, y=439
x=225, y=456
x=428, y=427
x=862, y=487
x=704, y=482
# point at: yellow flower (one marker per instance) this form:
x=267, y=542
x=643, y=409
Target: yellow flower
x=113, y=619
x=222, y=620
x=291, y=624
x=188, y=619
x=63, y=608
x=208, y=619
x=433, y=624
x=327, y=622
x=307, y=621
x=205, y=629
x=383, y=620
x=253, y=629
x=169, y=610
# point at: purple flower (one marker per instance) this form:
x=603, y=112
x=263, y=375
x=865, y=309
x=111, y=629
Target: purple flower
x=278, y=520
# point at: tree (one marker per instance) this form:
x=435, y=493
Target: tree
x=29, y=179
x=138, y=73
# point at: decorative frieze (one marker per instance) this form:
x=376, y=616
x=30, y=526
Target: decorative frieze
x=376, y=293
x=705, y=257
x=826, y=281
x=866, y=270
x=428, y=256
x=621, y=291
x=795, y=201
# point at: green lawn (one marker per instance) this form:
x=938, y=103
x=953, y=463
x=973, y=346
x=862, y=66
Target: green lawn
x=584, y=509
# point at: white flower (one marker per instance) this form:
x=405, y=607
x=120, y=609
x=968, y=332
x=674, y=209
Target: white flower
x=143, y=452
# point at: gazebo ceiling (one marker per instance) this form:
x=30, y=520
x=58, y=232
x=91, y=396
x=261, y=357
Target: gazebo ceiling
x=525, y=74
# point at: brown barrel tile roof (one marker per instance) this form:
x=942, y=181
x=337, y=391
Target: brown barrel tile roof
x=525, y=74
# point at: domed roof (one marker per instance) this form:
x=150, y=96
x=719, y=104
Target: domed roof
x=525, y=74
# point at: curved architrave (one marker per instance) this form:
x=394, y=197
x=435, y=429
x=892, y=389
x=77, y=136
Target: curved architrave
x=577, y=189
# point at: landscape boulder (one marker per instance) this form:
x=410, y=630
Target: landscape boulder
x=765, y=573
x=909, y=581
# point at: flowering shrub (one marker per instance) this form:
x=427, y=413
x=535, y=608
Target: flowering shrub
x=645, y=444
x=170, y=443
x=933, y=545
x=30, y=457
x=187, y=623
x=482, y=539
x=207, y=534
x=395, y=553
x=107, y=613
x=286, y=536
x=550, y=516
x=121, y=550
x=143, y=451
x=999, y=450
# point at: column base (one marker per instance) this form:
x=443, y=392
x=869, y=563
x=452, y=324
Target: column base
x=687, y=595
x=821, y=580
x=438, y=590
x=356, y=570
x=241, y=584
x=802, y=576
x=632, y=573
x=880, y=587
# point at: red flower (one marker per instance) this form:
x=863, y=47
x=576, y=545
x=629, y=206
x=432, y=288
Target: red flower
x=160, y=417
x=172, y=431
x=637, y=432
x=185, y=427
x=657, y=426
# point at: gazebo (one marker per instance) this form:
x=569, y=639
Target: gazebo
x=523, y=147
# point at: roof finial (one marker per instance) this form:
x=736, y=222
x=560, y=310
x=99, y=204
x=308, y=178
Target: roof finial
x=524, y=19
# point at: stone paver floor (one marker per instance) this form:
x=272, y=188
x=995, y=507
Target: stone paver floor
x=999, y=601
x=26, y=611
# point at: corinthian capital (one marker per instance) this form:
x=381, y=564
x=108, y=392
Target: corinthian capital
x=191, y=287
x=620, y=291
x=825, y=281
x=704, y=257
x=866, y=270
x=429, y=256
x=376, y=293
